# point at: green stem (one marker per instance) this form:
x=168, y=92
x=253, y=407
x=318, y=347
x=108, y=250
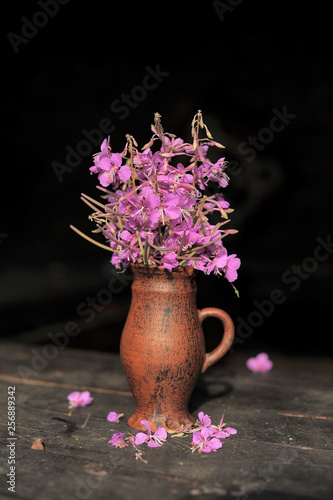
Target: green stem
x=121, y=243
x=141, y=247
x=93, y=241
x=146, y=256
x=84, y=196
x=181, y=243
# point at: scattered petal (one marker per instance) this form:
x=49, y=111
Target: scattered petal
x=141, y=438
x=118, y=440
x=114, y=416
x=259, y=364
x=77, y=399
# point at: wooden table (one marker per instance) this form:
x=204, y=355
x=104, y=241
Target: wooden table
x=283, y=449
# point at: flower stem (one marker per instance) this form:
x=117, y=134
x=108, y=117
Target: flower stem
x=85, y=197
x=141, y=247
x=93, y=241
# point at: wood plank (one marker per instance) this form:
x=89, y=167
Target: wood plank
x=283, y=448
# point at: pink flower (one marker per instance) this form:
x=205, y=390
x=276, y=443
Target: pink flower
x=204, y=440
x=222, y=431
x=77, y=399
x=118, y=440
x=169, y=261
x=204, y=419
x=218, y=263
x=260, y=364
x=230, y=269
x=158, y=209
x=153, y=440
x=114, y=417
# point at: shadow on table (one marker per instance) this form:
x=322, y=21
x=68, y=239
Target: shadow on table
x=208, y=389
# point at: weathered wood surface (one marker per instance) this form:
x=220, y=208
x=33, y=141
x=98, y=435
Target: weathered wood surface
x=283, y=449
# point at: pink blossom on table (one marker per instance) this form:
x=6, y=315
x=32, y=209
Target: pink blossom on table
x=206, y=437
x=259, y=364
x=118, y=440
x=204, y=420
x=153, y=440
x=222, y=431
x=113, y=416
x=204, y=441
x=77, y=399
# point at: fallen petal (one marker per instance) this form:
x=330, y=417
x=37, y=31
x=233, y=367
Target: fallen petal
x=153, y=444
x=161, y=433
x=231, y=430
x=141, y=438
x=112, y=417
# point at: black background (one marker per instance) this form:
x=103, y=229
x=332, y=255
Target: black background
x=238, y=64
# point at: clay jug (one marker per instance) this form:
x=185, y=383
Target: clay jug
x=162, y=346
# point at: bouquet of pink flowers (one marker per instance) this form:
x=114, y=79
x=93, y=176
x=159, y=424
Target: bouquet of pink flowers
x=157, y=209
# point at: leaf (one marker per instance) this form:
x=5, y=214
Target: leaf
x=38, y=445
x=218, y=145
x=167, y=155
x=230, y=231
x=148, y=145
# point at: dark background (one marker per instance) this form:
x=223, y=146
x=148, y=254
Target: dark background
x=237, y=64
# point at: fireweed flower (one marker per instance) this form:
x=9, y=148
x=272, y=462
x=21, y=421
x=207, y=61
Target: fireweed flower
x=114, y=416
x=230, y=269
x=204, y=420
x=77, y=399
x=221, y=431
x=204, y=441
x=159, y=206
x=118, y=440
x=260, y=364
x=153, y=440
x=205, y=436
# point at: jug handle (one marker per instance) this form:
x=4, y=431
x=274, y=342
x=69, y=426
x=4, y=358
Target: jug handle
x=227, y=339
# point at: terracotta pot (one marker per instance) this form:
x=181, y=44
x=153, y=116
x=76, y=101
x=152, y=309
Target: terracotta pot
x=162, y=346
